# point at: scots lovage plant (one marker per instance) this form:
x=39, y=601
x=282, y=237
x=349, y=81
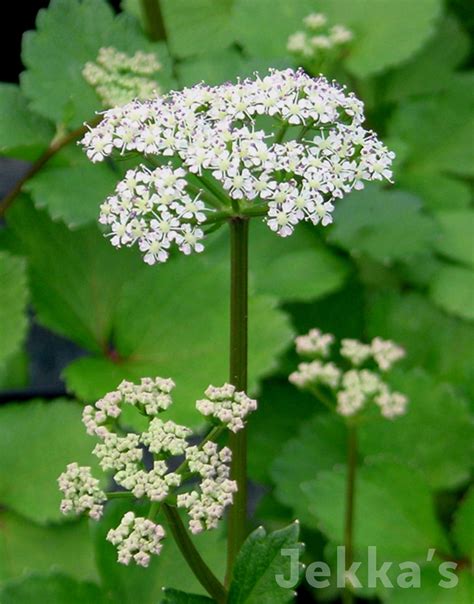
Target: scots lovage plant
x=283, y=147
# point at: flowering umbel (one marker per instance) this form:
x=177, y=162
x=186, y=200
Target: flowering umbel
x=119, y=78
x=284, y=146
x=354, y=386
x=319, y=40
x=208, y=465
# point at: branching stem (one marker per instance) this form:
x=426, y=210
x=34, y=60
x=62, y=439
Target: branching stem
x=350, y=501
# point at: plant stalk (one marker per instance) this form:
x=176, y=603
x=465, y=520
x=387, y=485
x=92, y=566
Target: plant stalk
x=154, y=23
x=239, y=228
x=350, y=501
x=200, y=569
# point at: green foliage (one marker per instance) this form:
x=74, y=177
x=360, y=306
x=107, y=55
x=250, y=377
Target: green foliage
x=173, y=596
x=13, y=322
x=259, y=562
x=397, y=263
x=53, y=588
x=386, y=225
x=198, y=26
x=53, y=81
x=23, y=134
x=452, y=289
x=464, y=521
x=381, y=487
x=27, y=547
x=72, y=188
x=438, y=419
x=320, y=446
x=25, y=428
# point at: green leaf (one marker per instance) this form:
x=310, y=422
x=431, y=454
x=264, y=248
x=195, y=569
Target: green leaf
x=27, y=547
x=455, y=241
x=437, y=419
x=260, y=561
x=132, y=584
x=320, y=445
x=393, y=511
x=263, y=27
x=386, y=225
x=453, y=289
x=54, y=588
x=197, y=26
x=430, y=70
x=72, y=192
x=79, y=28
x=438, y=191
x=23, y=134
x=439, y=130
x=433, y=340
x=13, y=320
x=298, y=269
x=173, y=596
x=281, y=411
x=166, y=325
x=431, y=591
x=49, y=436
x=75, y=277
x=463, y=523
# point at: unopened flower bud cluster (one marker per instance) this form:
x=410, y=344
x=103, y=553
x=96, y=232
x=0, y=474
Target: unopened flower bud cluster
x=318, y=39
x=287, y=144
x=121, y=452
x=206, y=504
x=352, y=388
x=81, y=492
x=136, y=539
x=119, y=78
x=227, y=405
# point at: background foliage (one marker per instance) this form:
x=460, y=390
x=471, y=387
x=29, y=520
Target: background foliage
x=398, y=262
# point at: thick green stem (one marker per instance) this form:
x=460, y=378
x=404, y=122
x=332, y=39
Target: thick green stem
x=350, y=501
x=154, y=24
x=239, y=228
x=193, y=558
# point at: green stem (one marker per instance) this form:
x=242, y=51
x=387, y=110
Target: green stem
x=119, y=495
x=239, y=228
x=350, y=500
x=200, y=569
x=154, y=24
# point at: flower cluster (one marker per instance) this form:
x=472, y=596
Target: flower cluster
x=206, y=504
x=204, y=499
x=119, y=78
x=285, y=146
x=227, y=405
x=81, y=492
x=318, y=40
x=136, y=539
x=355, y=387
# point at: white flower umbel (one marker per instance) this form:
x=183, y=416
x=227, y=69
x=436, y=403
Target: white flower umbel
x=350, y=390
x=314, y=344
x=319, y=40
x=206, y=504
x=227, y=406
x=386, y=353
x=136, y=539
x=81, y=492
x=314, y=373
x=119, y=78
x=285, y=146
